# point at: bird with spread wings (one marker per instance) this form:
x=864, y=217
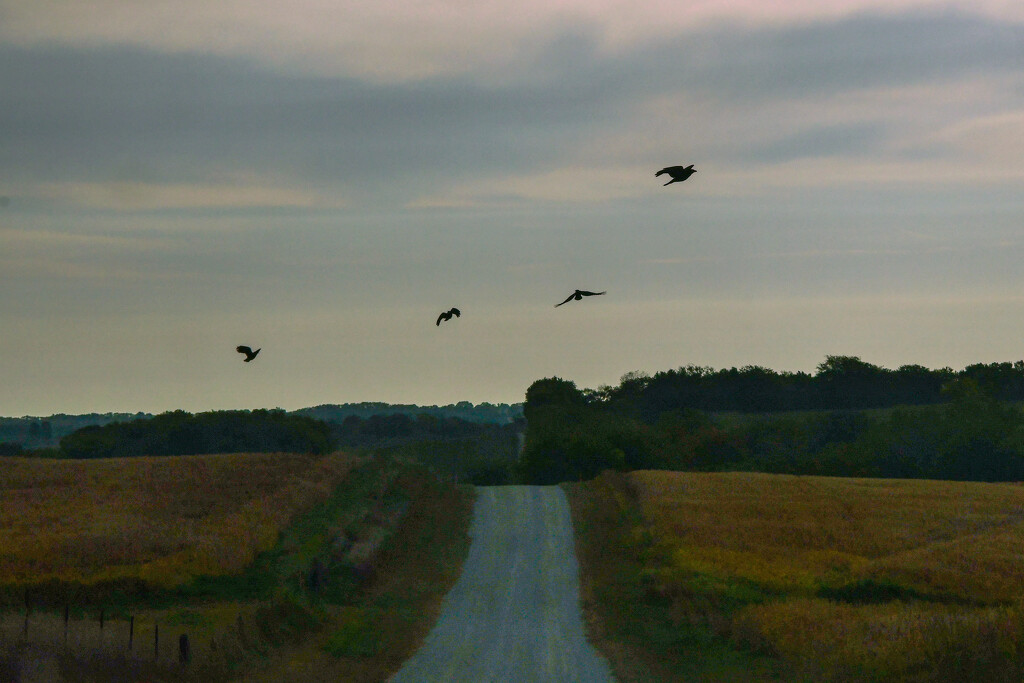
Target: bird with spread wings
x=677, y=173
x=578, y=295
x=447, y=315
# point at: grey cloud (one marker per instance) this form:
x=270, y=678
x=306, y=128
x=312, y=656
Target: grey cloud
x=120, y=113
x=858, y=52
x=125, y=114
x=821, y=141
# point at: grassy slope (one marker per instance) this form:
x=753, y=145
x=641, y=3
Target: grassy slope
x=152, y=521
x=633, y=624
x=415, y=528
x=369, y=639
x=834, y=579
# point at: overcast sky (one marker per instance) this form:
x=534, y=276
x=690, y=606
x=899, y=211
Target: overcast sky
x=321, y=178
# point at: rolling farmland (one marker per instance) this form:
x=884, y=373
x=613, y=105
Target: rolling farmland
x=158, y=520
x=817, y=578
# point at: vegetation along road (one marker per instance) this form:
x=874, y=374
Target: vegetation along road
x=514, y=613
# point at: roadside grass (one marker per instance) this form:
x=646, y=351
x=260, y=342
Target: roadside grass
x=370, y=637
x=360, y=536
x=835, y=579
x=629, y=618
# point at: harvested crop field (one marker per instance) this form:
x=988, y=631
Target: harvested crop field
x=955, y=540
x=160, y=520
x=842, y=579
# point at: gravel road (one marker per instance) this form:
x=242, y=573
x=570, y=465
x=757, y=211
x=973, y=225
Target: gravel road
x=514, y=614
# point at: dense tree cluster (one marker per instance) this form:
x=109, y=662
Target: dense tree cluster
x=39, y=432
x=43, y=433
x=10, y=448
x=181, y=433
x=568, y=439
x=841, y=382
x=500, y=413
x=472, y=452
x=393, y=428
x=965, y=430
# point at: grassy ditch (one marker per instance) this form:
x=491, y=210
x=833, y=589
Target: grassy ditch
x=634, y=624
x=367, y=636
x=351, y=583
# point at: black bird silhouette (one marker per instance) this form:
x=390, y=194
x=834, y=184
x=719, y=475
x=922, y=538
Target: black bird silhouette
x=678, y=173
x=447, y=315
x=579, y=294
x=249, y=353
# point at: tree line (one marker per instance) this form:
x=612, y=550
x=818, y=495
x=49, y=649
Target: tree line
x=839, y=383
x=34, y=433
x=479, y=453
x=394, y=428
x=500, y=413
x=471, y=452
x=46, y=432
x=182, y=433
x=970, y=428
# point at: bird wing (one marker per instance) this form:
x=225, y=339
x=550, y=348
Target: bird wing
x=440, y=318
x=457, y=312
x=591, y=293
x=567, y=300
x=671, y=170
x=243, y=349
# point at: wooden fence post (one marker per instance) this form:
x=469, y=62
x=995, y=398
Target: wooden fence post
x=184, y=651
x=317, y=576
x=156, y=642
x=28, y=608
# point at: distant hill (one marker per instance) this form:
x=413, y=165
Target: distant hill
x=501, y=413
x=220, y=431
x=46, y=432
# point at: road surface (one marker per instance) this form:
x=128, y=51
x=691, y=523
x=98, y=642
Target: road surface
x=514, y=613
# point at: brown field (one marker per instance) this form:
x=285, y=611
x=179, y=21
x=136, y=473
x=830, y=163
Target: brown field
x=161, y=520
x=790, y=533
x=774, y=577
x=405, y=531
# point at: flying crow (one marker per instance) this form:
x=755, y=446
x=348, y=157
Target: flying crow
x=579, y=294
x=447, y=315
x=249, y=353
x=678, y=173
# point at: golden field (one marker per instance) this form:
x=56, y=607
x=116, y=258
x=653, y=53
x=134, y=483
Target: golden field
x=160, y=520
x=844, y=579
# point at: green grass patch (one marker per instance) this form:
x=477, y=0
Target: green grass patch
x=285, y=619
x=355, y=635
x=632, y=618
x=393, y=608
x=872, y=592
